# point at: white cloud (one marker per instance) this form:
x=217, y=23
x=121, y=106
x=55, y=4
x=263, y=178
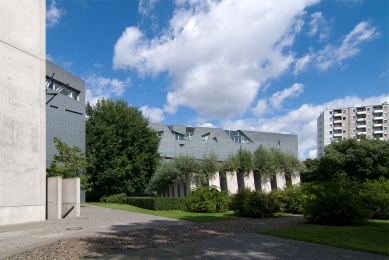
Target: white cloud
x=319, y=24
x=332, y=55
x=154, y=114
x=260, y=108
x=145, y=6
x=217, y=53
x=98, y=87
x=312, y=154
x=294, y=91
x=301, y=121
x=53, y=14
x=210, y=125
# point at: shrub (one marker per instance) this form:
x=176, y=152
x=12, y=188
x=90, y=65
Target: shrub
x=207, y=199
x=254, y=204
x=117, y=198
x=291, y=199
x=157, y=203
x=375, y=196
x=334, y=203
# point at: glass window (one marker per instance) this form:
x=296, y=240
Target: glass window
x=385, y=121
x=385, y=107
x=354, y=130
x=344, y=111
x=367, y=116
x=344, y=131
x=354, y=110
x=368, y=136
x=368, y=109
x=330, y=112
x=385, y=128
x=344, y=118
x=344, y=124
x=344, y=138
x=385, y=114
x=330, y=126
x=330, y=132
x=354, y=117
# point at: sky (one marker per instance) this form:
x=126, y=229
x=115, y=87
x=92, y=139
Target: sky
x=269, y=66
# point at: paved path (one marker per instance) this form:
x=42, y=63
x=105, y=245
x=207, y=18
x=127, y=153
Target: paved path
x=248, y=246
x=93, y=220
x=97, y=220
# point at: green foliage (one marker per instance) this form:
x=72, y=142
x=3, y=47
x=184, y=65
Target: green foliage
x=121, y=147
x=117, y=198
x=69, y=163
x=353, y=159
x=157, y=203
x=264, y=163
x=208, y=167
x=334, y=203
x=375, y=196
x=308, y=174
x=254, y=204
x=229, y=165
x=206, y=199
x=245, y=160
x=291, y=199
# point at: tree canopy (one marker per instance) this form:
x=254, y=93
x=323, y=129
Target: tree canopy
x=69, y=163
x=353, y=159
x=121, y=147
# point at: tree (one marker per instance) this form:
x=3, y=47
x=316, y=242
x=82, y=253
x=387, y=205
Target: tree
x=353, y=159
x=69, y=163
x=245, y=161
x=264, y=163
x=121, y=147
x=308, y=173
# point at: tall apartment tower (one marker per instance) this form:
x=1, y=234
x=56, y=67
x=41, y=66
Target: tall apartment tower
x=352, y=122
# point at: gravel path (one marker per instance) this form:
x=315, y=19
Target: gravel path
x=113, y=243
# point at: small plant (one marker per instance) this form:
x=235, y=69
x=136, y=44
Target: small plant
x=206, y=199
x=291, y=199
x=254, y=204
x=334, y=203
x=117, y=198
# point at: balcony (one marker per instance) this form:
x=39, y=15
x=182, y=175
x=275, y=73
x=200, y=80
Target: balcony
x=377, y=125
x=378, y=131
x=361, y=112
x=378, y=110
x=361, y=133
x=361, y=126
x=361, y=119
x=337, y=120
x=338, y=127
x=337, y=114
x=338, y=135
x=378, y=117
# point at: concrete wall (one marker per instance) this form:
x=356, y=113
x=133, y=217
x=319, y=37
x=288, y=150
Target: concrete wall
x=54, y=197
x=71, y=196
x=22, y=111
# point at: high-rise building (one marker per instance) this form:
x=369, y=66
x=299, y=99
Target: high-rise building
x=352, y=122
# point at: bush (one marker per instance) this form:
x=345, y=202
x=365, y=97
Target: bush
x=334, y=203
x=291, y=199
x=157, y=203
x=254, y=204
x=207, y=199
x=375, y=196
x=117, y=198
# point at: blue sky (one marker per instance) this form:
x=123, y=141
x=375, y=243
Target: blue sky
x=263, y=65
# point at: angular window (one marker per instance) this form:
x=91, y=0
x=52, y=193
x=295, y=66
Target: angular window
x=205, y=137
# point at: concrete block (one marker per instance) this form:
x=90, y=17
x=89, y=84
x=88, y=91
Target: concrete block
x=296, y=179
x=175, y=188
x=71, y=196
x=182, y=190
x=54, y=197
x=249, y=180
x=281, y=183
x=266, y=185
x=215, y=181
x=232, y=182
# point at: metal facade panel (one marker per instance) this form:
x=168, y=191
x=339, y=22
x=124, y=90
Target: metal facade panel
x=65, y=117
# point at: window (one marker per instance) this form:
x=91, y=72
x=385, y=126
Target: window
x=385, y=128
x=344, y=118
x=330, y=112
x=354, y=110
x=368, y=129
x=330, y=126
x=368, y=136
x=354, y=117
x=385, y=107
x=385, y=121
x=368, y=109
x=330, y=132
x=330, y=138
x=344, y=131
x=367, y=116
x=368, y=122
x=344, y=138
x=354, y=131
x=385, y=135
x=344, y=124
x=385, y=114
x=344, y=111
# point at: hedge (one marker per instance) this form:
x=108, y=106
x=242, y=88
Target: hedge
x=157, y=203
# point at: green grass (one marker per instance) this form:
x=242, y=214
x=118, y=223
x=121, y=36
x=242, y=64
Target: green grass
x=176, y=214
x=370, y=237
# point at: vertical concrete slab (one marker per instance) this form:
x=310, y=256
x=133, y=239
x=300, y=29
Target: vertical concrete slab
x=266, y=185
x=71, y=196
x=257, y=181
x=182, y=190
x=215, y=181
x=296, y=179
x=176, y=194
x=54, y=197
x=22, y=111
x=232, y=182
x=281, y=182
x=189, y=185
x=249, y=180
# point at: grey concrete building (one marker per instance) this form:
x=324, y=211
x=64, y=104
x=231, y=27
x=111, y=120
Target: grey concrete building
x=22, y=111
x=352, y=122
x=197, y=141
x=65, y=109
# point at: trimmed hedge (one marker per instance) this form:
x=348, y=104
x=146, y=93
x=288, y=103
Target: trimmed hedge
x=157, y=203
x=117, y=198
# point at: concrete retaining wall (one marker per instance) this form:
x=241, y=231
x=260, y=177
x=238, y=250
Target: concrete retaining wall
x=71, y=196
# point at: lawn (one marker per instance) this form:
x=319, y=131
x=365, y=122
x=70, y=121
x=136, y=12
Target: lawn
x=372, y=236
x=176, y=214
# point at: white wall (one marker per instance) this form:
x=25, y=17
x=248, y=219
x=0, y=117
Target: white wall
x=22, y=111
